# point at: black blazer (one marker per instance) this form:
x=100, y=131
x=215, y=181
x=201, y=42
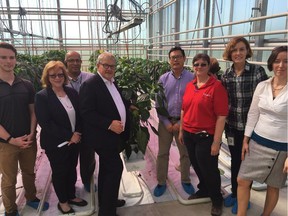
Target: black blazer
x=53, y=118
x=98, y=110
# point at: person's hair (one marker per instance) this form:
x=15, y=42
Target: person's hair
x=214, y=66
x=273, y=56
x=50, y=66
x=8, y=46
x=176, y=48
x=203, y=56
x=104, y=55
x=231, y=46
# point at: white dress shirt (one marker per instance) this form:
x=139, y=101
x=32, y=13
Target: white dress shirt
x=268, y=117
x=116, y=98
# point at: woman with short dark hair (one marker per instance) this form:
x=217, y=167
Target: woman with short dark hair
x=264, y=151
x=203, y=115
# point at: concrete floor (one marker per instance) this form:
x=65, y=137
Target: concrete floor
x=172, y=208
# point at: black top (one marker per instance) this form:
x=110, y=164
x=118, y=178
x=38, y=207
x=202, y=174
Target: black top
x=14, y=106
x=98, y=110
x=53, y=118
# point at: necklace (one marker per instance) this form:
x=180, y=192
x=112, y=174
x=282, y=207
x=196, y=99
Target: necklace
x=66, y=102
x=276, y=89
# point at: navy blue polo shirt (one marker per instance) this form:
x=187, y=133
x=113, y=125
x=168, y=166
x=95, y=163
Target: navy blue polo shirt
x=14, y=106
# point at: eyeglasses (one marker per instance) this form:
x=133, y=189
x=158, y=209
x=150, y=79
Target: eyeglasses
x=176, y=57
x=53, y=76
x=74, y=60
x=197, y=65
x=107, y=66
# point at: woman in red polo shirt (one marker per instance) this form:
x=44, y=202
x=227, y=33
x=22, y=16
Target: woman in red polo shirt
x=203, y=115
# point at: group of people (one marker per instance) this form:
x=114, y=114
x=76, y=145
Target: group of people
x=95, y=120
x=249, y=107
x=202, y=108
x=72, y=122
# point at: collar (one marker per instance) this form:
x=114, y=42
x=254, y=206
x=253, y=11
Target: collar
x=209, y=82
x=246, y=68
x=16, y=79
x=79, y=78
x=172, y=73
x=107, y=82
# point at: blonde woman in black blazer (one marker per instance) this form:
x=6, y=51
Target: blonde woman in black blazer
x=56, y=108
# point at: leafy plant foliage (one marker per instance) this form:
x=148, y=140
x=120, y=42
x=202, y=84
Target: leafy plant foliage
x=30, y=67
x=138, y=79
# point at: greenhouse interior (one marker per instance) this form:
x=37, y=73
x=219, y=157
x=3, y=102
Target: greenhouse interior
x=140, y=34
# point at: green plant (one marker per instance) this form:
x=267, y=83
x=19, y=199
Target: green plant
x=92, y=61
x=31, y=66
x=138, y=79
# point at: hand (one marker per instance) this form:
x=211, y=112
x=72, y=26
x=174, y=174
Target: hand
x=169, y=128
x=22, y=142
x=31, y=136
x=245, y=149
x=175, y=127
x=285, y=169
x=116, y=126
x=76, y=138
x=133, y=107
x=180, y=137
x=215, y=148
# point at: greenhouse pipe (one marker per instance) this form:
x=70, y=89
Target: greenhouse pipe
x=162, y=6
x=42, y=201
x=227, y=36
x=92, y=201
x=223, y=25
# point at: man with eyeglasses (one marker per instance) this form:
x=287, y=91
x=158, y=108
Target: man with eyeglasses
x=174, y=84
x=17, y=133
x=106, y=126
x=76, y=78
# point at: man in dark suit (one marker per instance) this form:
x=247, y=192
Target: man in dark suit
x=105, y=127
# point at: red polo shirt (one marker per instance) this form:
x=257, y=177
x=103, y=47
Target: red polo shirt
x=202, y=106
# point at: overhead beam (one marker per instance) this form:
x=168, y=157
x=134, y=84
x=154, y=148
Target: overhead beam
x=131, y=24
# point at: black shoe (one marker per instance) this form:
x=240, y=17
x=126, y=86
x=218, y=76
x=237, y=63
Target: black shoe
x=120, y=203
x=81, y=203
x=197, y=195
x=67, y=212
x=216, y=210
x=14, y=213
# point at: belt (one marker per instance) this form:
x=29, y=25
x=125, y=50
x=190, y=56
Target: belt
x=174, y=118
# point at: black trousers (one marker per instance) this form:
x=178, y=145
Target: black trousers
x=87, y=163
x=63, y=162
x=235, y=152
x=205, y=165
x=109, y=177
